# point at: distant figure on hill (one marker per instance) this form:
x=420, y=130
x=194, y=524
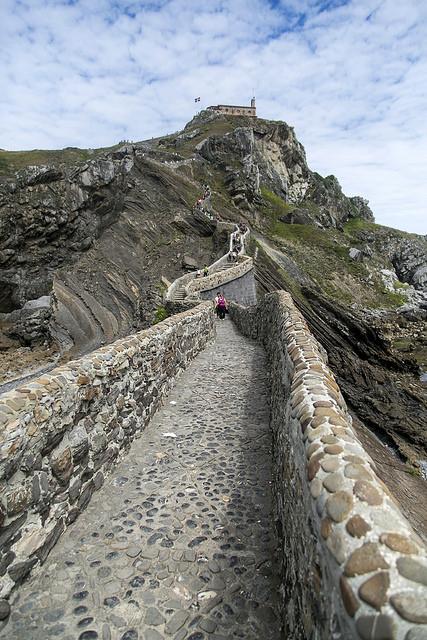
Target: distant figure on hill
x=206, y=270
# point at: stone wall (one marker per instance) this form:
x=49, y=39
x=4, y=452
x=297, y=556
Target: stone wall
x=241, y=290
x=231, y=110
x=64, y=431
x=219, y=278
x=352, y=566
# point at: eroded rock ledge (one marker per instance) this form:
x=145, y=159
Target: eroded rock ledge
x=352, y=566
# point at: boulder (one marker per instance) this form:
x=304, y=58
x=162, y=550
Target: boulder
x=189, y=263
x=355, y=254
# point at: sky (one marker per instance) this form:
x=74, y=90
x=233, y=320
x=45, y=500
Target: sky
x=349, y=75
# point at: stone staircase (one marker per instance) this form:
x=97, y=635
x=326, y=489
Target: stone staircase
x=179, y=294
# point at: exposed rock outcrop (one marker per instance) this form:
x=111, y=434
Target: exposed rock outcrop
x=377, y=385
x=410, y=262
x=94, y=239
x=268, y=154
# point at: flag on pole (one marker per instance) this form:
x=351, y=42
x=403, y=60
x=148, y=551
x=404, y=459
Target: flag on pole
x=196, y=99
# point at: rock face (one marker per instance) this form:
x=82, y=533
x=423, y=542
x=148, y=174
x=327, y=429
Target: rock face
x=268, y=155
x=82, y=248
x=92, y=239
x=406, y=252
x=410, y=261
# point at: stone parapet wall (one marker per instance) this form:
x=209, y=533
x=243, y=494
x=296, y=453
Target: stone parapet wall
x=241, y=290
x=178, y=306
x=61, y=433
x=352, y=566
x=219, y=278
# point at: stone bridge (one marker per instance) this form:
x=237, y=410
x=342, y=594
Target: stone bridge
x=235, y=280
x=200, y=480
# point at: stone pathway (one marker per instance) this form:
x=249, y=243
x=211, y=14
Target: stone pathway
x=179, y=542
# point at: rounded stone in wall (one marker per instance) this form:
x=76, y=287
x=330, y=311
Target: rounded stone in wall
x=357, y=527
x=411, y=605
x=339, y=505
x=365, y=559
x=4, y=609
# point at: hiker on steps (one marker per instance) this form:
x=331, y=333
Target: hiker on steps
x=205, y=270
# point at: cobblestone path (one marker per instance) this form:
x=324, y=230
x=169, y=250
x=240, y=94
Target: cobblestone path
x=179, y=541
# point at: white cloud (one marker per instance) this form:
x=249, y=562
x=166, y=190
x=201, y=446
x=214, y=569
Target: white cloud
x=347, y=74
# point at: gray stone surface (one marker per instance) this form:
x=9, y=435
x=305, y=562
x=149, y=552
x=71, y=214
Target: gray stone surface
x=241, y=290
x=194, y=495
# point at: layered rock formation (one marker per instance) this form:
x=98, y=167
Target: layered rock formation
x=83, y=248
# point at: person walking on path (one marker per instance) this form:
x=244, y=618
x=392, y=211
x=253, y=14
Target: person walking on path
x=220, y=306
x=216, y=302
x=205, y=270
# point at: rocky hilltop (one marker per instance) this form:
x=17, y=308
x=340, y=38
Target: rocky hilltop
x=268, y=156
x=88, y=240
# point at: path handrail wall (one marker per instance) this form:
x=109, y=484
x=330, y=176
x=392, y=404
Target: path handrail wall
x=243, y=236
x=223, y=260
x=352, y=565
x=219, y=278
x=62, y=432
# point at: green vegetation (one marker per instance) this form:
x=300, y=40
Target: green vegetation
x=412, y=471
x=358, y=224
x=274, y=208
x=161, y=314
x=400, y=285
x=323, y=254
x=12, y=161
x=393, y=300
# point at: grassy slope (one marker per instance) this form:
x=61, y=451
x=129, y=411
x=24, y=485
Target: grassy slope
x=324, y=255
x=12, y=161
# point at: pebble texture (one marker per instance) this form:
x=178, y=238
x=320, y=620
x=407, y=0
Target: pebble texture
x=61, y=434
x=352, y=566
x=179, y=541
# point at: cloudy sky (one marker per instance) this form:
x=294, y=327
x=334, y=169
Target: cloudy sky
x=349, y=75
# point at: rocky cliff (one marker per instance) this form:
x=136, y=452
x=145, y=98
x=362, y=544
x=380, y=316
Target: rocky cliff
x=83, y=248
x=267, y=156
